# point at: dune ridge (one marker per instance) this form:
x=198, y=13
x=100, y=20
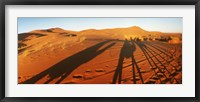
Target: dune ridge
x=39, y=50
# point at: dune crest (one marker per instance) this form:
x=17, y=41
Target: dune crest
x=98, y=56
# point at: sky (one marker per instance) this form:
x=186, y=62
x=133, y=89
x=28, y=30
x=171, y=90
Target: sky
x=169, y=24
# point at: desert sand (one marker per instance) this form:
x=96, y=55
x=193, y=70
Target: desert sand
x=108, y=56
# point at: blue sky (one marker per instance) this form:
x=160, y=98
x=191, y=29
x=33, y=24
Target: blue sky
x=26, y=24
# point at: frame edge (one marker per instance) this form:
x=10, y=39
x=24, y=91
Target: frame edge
x=197, y=46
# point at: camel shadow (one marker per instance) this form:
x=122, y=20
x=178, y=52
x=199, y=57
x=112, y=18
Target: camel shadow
x=127, y=51
x=66, y=66
x=150, y=52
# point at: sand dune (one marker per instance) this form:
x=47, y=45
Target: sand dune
x=94, y=56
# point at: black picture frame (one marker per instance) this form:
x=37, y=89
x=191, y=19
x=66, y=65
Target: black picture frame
x=99, y=2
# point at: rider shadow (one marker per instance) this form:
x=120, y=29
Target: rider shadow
x=67, y=66
x=126, y=52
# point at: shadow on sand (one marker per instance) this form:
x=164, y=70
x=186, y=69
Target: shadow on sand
x=127, y=51
x=66, y=66
x=148, y=52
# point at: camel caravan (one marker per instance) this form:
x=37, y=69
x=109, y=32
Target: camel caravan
x=170, y=39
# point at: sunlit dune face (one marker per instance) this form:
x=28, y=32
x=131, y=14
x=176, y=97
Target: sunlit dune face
x=108, y=56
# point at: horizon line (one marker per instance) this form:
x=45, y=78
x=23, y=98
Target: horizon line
x=100, y=29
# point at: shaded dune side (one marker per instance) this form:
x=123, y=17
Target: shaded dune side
x=66, y=66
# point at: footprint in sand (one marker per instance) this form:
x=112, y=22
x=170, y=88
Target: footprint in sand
x=100, y=70
x=78, y=76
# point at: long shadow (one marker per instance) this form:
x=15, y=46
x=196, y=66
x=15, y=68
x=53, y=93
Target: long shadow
x=126, y=52
x=165, y=47
x=66, y=66
x=143, y=48
x=160, y=49
x=124, y=67
x=148, y=59
x=167, y=79
x=134, y=62
x=168, y=62
x=148, y=48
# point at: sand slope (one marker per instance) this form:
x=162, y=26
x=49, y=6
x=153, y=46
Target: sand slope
x=95, y=56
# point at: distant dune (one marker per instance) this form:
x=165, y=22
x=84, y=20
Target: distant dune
x=115, y=33
x=56, y=55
